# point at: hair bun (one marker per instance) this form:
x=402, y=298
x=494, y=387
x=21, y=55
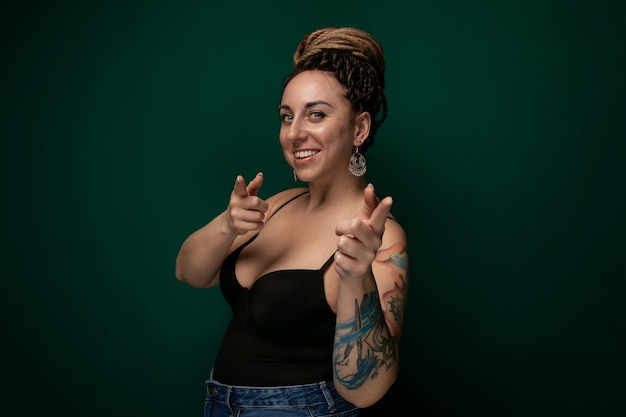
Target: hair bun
x=361, y=44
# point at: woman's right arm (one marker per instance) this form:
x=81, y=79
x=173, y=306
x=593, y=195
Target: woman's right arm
x=203, y=252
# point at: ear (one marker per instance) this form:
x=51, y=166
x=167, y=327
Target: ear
x=362, y=127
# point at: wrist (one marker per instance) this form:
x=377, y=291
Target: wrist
x=226, y=227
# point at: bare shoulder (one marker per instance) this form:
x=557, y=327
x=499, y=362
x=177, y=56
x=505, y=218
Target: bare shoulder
x=393, y=251
x=391, y=265
x=394, y=233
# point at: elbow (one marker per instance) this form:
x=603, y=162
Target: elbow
x=363, y=401
x=183, y=275
x=186, y=279
x=178, y=273
x=193, y=279
x=369, y=395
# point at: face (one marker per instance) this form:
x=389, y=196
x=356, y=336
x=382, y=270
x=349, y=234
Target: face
x=319, y=128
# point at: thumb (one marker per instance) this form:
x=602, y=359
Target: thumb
x=379, y=216
x=240, y=187
x=254, y=185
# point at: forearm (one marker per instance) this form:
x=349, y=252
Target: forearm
x=203, y=252
x=365, y=357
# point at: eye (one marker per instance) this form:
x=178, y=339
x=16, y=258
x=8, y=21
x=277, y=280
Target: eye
x=317, y=115
x=286, y=118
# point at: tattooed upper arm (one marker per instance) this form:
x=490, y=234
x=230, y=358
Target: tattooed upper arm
x=391, y=268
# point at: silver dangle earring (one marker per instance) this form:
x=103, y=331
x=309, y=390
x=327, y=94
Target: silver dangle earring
x=357, y=164
x=295, y=177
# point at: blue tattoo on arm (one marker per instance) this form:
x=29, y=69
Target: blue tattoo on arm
x=363, y=344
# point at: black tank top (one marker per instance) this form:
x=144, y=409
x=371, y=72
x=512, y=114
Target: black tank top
x=282, y=329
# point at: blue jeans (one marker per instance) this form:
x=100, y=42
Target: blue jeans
x=310, y=400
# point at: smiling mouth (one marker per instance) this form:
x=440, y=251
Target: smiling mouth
x=304, y=154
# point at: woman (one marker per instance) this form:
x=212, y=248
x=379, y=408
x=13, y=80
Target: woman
x=316, y=277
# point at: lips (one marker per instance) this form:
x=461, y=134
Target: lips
x=304, y=154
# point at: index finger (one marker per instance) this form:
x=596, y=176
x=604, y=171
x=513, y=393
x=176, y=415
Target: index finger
x=255, y=184
x=370, y=202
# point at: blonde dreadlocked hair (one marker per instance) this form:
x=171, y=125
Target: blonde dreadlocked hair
x=357, y=61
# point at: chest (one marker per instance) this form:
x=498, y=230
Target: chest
x=286, y=245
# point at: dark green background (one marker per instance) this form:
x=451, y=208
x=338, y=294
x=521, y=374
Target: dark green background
x=124, y=126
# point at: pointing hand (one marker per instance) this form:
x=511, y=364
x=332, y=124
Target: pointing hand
x=361, y=237
x=246, y=211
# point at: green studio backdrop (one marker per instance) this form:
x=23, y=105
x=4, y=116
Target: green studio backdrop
x=124, y=126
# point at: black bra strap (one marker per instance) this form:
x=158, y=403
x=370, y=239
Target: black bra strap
x=285, y=203
x=255, y=236
x=328, y=262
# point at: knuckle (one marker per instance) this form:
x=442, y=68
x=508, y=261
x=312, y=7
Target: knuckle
x=355, y=224
x=371, y=258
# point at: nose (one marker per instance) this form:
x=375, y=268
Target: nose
x=294, y=131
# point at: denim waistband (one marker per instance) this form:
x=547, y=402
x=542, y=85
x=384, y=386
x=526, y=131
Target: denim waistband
x=315, y=393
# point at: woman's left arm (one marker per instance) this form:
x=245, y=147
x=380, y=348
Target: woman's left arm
x=372, y=263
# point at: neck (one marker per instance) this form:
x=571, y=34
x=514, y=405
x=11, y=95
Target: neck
x=338, y=193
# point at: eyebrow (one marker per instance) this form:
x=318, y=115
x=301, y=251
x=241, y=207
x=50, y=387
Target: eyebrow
x=308, y=105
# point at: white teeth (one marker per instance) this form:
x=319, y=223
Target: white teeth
x=304, y=154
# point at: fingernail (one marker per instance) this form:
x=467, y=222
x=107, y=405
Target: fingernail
x=260, y=173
